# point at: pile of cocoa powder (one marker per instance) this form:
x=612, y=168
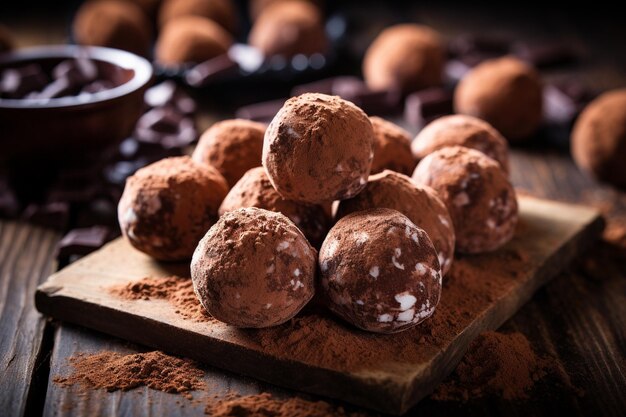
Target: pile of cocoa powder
x=504, y=365
x=265, y=405
x=319, y=339
x=176, y=290
x=116, y=371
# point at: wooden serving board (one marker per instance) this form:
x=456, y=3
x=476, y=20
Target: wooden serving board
x=396, y=370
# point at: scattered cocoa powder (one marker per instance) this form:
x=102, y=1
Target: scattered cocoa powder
x=316, y=338
x=495, y=364
x=265, y=405
x=176, y=290
x=115, y=371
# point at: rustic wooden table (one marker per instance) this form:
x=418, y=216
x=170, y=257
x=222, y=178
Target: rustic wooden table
x=579, y=318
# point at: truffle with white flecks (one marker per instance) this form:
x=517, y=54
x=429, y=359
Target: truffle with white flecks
x=419, y=203
x=254, y=268
x=169, y=205
x=478, y=194
x=380, y=271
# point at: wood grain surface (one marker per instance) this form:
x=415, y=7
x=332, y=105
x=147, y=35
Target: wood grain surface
x=549, y=236
x=26, y=259
x=578, y=318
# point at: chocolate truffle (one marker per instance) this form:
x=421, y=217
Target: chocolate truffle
x=169, y=205
x=191, y=39
x=406, y=57
x=318, y=148
x=419, y=203
x=392, y=148
x=275, y=279
x=222, y=12
x=289, y=28
x=231, y=146
x=254, y=189
x=478, y=194
x=114, y=24
x=465, y=131
x=255, y=7
x=380, y=271
x=599, y=138
x=6, y=40
x=505, y=92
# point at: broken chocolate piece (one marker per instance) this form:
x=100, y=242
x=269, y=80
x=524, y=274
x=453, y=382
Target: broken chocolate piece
x=425, y=105
x=82, y=242
x=260, y=112
x=211, y=70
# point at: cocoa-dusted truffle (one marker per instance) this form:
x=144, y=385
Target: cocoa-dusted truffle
x=254, y=189
x=419, y=203
x=6, y=40
x=169, y=205
x=289, y=28
x=462, y=130
x=318, y=148
x=380, y=271
x=479, y=197
x=407, y=57
x=255, y=7
x=505, y=92
x=599, y=138
x=392, y=148
x=114, y=24
x=253, y=268
x=231, y=146
x=191, y=39
x=222, y=12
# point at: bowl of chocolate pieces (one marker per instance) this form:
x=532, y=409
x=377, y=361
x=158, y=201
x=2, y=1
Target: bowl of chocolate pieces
x=58, y=102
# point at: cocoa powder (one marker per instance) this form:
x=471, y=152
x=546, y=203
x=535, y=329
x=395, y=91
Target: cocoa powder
x=177, y=290
x=316, y=338
x=495, y=364
x=116, y=371
x=265, y=405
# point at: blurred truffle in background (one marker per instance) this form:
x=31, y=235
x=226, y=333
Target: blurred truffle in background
x=406, y=57
x=599, y=138
x=114, y=24
x=505, y=92
x=462, y=130
x=6, y=39
x=289, y=28
x=191, y=39
x=232, y=147
x=223, y=12
x=392, y=148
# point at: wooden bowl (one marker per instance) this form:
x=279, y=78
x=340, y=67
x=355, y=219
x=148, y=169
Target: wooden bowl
x=66, y=128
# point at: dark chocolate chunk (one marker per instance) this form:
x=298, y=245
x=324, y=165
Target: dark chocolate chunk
x=425, y=105
x=260, y=112
x=83, y=241
x=58, y=88
x=214, y=69
x=479, y=43
x=324, y=86
x=558, y=107
x=546, y=54
x=118, y=172
x=18, y=82
x=80, y=71
x=97, y=86
x=168, y=94
x=167, y=127
x=454, y=71
x=52, y=215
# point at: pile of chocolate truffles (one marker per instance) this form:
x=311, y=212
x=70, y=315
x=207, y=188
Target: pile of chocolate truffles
x=271, y=242
x=194, y=31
